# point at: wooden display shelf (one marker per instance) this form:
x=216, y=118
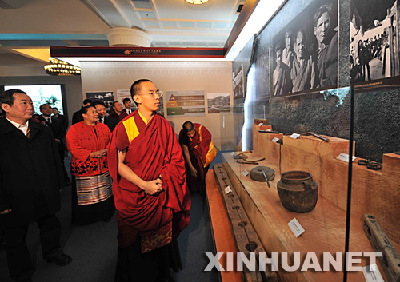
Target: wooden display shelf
x=220, y=226
x=373, y=192
x=325, y=226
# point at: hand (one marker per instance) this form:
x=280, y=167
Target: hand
x=99, y=154
x=152, y=187
x=193, y=172
x=6, y=211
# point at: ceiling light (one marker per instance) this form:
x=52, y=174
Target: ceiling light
x=58, y=67
x=197, y=2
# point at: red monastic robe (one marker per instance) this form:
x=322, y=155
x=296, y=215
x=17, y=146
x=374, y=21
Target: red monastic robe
x=198, y=153
x=152, y=150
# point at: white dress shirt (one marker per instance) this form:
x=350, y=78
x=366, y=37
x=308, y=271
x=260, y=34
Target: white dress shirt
x=22, y=127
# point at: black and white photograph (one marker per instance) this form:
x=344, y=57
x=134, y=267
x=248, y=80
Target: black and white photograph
x=305, y=52
x=218, y=103
x=374, y=43
x=238, y=83
x=106, y=97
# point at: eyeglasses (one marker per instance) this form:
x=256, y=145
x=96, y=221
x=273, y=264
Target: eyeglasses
x=153, y=93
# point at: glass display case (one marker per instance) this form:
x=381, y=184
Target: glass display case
x=313, y=181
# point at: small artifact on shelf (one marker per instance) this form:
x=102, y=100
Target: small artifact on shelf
x=370, y=164
x=390, y=259
x=297, y=191
x=316, y=135
x=241, y=158
x=263, y=174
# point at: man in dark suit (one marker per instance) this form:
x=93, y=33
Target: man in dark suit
x=101, y=110
x=118, y=113
x=62, y=118
x=127, y=105
x=30, y=179
x=58, y=131
x=77, y=116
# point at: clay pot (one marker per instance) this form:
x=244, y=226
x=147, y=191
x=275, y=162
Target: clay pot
x=297, y=191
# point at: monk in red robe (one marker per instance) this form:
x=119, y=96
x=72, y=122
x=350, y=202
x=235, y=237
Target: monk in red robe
x=152, y=202
x=199, y=152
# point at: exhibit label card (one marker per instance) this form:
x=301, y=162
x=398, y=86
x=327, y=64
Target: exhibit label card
x=372, y=274
x=295, y=135
x=245, y=173
x=344, y=157
x=228, y=189
x=296, y=227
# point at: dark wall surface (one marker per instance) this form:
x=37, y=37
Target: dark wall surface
x=377, y=114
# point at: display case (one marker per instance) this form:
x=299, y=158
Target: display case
x=302, y=146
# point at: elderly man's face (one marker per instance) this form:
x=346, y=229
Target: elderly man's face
x=300, y=45
x=46, y=110
x=21, y=110
x=321, y=30
x=118, y=107
x=101, y=110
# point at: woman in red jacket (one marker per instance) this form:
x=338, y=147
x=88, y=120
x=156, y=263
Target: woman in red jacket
x=91, y=189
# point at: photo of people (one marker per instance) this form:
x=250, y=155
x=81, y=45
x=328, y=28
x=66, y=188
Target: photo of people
x=305, y=53
x=374, y=40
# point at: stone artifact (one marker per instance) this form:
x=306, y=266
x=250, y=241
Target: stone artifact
x=297, y=191
x=262, y=173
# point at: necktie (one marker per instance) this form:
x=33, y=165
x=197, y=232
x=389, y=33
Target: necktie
x=28, y=133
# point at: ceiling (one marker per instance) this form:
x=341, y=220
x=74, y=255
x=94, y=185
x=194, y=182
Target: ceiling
x=169, y=23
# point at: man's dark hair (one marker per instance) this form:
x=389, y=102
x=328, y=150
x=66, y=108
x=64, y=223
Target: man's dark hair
x=98, y=102
x=114, y=103
x=55, y=108
x=322, y=10
x=86, y=108
x=187, y=126
x=41, y=106
x=86, y=101
x=125, y=100
x=7, y=97
x=135, y=87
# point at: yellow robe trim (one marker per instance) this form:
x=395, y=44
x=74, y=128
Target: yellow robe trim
x=130, y=126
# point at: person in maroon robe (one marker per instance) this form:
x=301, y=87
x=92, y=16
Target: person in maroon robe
x=195, y=140
x=149, y=185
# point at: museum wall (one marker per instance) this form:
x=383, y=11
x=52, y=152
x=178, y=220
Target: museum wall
x=324, y=107
x=212, y=77
x=72, y=86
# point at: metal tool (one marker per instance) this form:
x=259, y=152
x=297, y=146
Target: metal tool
x=316, y=135
x=266, y=179
x=370, y=164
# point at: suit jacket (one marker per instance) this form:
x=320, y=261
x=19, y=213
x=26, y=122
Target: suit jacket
x=120, y=116
x=131, y=111
x=55, y=126
x=64, y=121
x=110, y=122
x=77, y=116
x=30, y=175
